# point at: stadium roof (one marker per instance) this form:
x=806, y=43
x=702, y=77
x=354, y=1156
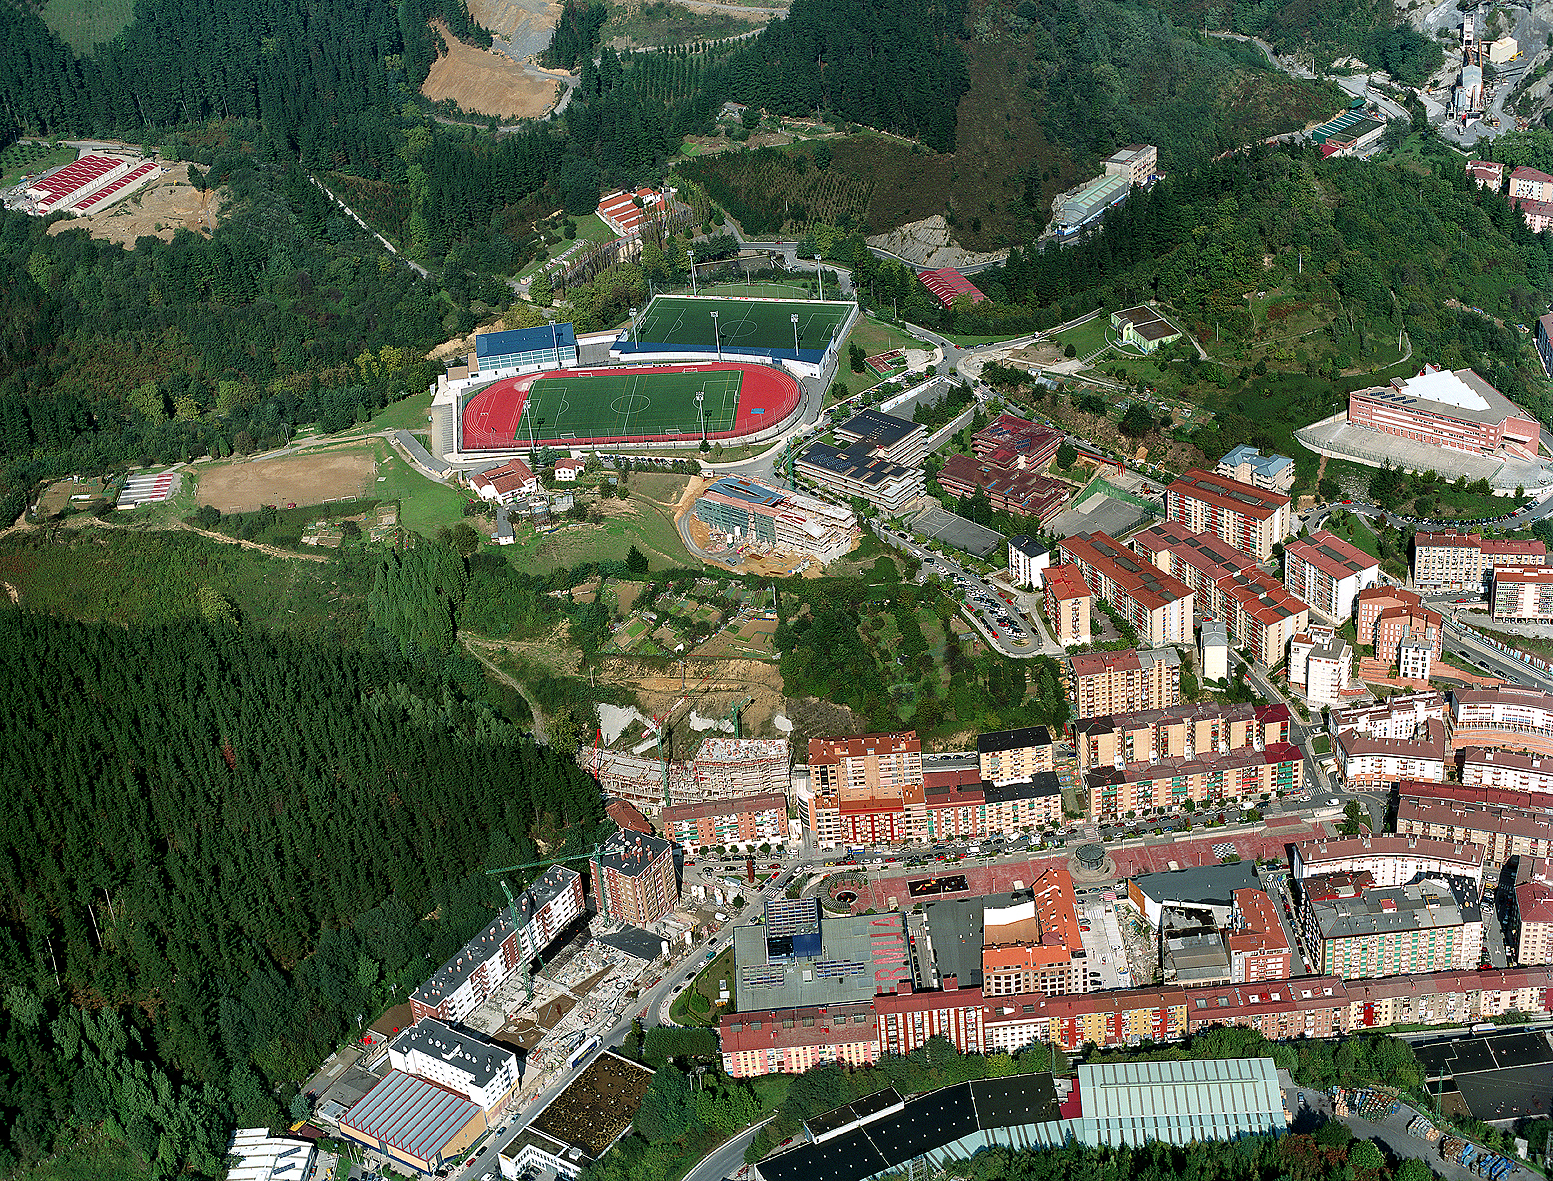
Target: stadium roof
x=410, y=1114
x=1459, y=394
x=523, y=340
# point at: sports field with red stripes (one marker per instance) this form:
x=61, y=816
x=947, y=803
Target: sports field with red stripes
x=636, y=404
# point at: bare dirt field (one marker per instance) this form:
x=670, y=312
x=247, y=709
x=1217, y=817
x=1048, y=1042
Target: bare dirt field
x=487, y=82
x=166, y=204
x=297, y=479
x=522, y=22
x=657, y=687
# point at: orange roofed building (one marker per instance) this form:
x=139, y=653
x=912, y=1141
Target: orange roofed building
x=1028, y=947
x=867, y=790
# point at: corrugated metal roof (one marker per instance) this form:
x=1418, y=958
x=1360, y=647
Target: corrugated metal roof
x=412, y=1115
x=1130, y=1102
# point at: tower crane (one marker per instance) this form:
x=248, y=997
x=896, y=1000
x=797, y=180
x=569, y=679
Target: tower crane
x=735, y=713
x=512, y=902
x=658, y=727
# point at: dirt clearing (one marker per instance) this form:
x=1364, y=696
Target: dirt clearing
x=486, y=82
x=297, y=479
x=168, y=203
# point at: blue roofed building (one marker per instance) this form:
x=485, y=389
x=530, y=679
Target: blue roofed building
x=1247, y=465
x=523, y=350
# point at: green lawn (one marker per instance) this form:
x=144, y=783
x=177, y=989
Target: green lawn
x=968, y=341
x=82, y=24
x=875, y=337
x=407, y=414
x=651, y=530
x=424, y=505
x=705, y=983
x=591, y=226
x=21, y=160
x=1087, y=337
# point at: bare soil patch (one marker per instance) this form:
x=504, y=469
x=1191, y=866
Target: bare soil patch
x=486, y=82
x=298, y=479
x=166, y=204
x=517, y=21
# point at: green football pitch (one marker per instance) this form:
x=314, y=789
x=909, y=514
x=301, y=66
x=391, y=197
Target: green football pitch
x=586, y=404
x=686, y=321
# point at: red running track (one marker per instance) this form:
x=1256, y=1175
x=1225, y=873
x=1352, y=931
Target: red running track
x=767, y=396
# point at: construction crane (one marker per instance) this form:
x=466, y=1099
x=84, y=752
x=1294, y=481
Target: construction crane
x=658, y=727
x=734, y=714
x=512, y=902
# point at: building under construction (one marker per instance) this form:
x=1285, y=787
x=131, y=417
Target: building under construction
x=729, y=768
x=633, y=874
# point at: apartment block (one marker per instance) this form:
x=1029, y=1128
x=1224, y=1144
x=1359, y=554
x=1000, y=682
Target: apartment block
x=1462, y=561
x=1028, y=560
x=1388, y=615
x=1117, y=1017
x=1257, y=946
x=634, y=878
x=736, y=768
x=1067, y=601
x=1328, y=573
x=1355, y=930
x=1211, y=779
x=1183, y=731
x=1522, y=593
x=1448, y=812
x=791, y=1041
x=1029, y=946
x=547, y=908
x=1513, y=716
x=1024, y=804
x=1312, y=1006
x=1247, y=465
x=1009, y=756
x=1248, y=518
x=1366, y=762
x=908, y=1018
x=1139, y=163
x=1415, y=659
x=1512, y=770
x=1387, y=860
x=1402, y=716
x=1158, y=606
x=1101, y=683
x=1260, y=614
x=867, y=789
x=745, y=822
x=1320, y=662
x=1531, y=911
x=483, y=1072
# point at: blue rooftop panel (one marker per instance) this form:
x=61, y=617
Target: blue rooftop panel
x=521, y=340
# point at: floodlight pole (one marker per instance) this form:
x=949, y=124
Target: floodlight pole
x=818, y=271
x=716, y=337
x=700, y=414
x=795, y=335
x=691, y=254
x=633, y=325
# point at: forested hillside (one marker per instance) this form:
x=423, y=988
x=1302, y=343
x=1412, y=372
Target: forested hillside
x=220, y=845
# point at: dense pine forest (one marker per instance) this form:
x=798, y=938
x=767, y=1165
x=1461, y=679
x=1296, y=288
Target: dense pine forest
x=222, y=846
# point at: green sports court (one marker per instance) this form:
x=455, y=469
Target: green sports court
x=746, y=326
x=628, y=404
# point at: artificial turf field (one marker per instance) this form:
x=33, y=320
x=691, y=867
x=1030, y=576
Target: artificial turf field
x=626, y=403
x=685, y=320
x=629, y=403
